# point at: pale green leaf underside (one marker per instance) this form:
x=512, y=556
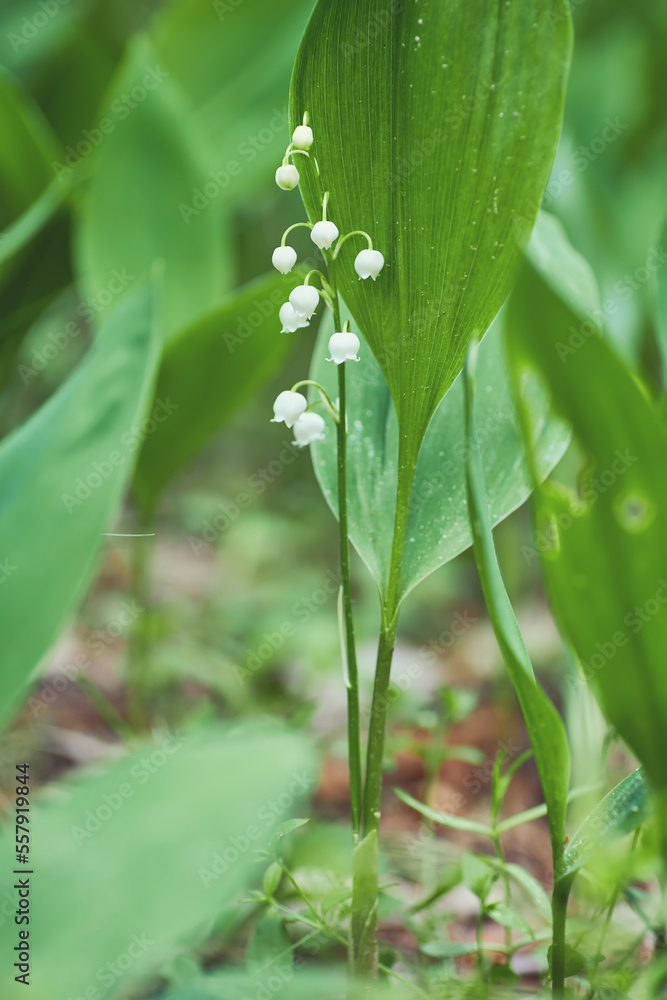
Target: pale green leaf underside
x=438, y=527
x=435, y=126
x=545, y=727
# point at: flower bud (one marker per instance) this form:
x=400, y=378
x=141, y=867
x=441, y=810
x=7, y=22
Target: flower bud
x=287, y=177
x=288, y=407
x=284, y=259
x=343, y=347
x=323, y=234
x=302, y=137
x=308, y=428
x=290, y=319
x=304, y=299
x=368, y=263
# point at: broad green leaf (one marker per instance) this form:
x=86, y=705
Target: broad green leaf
x=208, y=371
x=544, y=724
x=73, y=77
x=620, y=812
x=439, y=526
x=325, y=983
x=63, y=474
x=24, y=228
x=444, y=819
x=234, y=60
x=34, y=268
x=433, y=137
x=33, y=245
x=603, y=548
x=27, y=150
x=148, y=857
x=144, y=175
x=660, y=311
x=25, y=41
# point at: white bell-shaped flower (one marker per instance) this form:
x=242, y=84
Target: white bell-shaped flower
x=287, y=177
x=302, y=137
x=284, y=259
x=344, y=347
x=323, y=234
x=291, y=320
x=308, y=428
x=288, y=407
x=304, y=300
x=368, y=263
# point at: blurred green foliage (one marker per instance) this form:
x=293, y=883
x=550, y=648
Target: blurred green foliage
x=98, y=181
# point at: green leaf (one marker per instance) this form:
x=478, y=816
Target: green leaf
x=544, y=724
x=435, y=139
x=500, y=782
x=503, y=975
x=325, y=983
x=478, y=875
x=574, y=961
x=24, y=228
x=438, y=526
x=28, y=149
x=507, y=917
x=273, y=876
x=456, y=949
x=536, y=812
x=148, y=856
x=270, y=943
x=620, y=812
x=660, y=309
x=532, y=888
x=33, y=247
x=24, y=44
x=208, y=371
x=289, y=826
x=444, y=819
x=144, y=176
x=234, y=61
x=63, y=474
x=34, y=268
x=603, y=548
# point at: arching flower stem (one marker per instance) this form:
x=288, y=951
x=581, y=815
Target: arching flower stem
x=355, y=232
x=306, y=225
x=330, y=407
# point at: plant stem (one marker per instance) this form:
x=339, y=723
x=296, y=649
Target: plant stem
x=366, y=882
x=350, y=651
x=390, y=610
x=500, y=854
x=559, y=899
x=352, y=672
